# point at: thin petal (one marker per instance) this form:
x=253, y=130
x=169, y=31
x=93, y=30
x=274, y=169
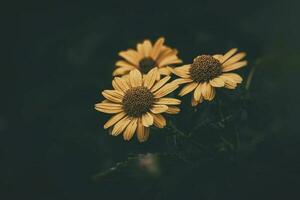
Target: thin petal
x=165, y=90
x=197, y=92
x=147, y=48
x=183, y=72
x=218, y=56
x=160, y=83
x=228, y=55
x=113, y=95
x=173, y=59
x=233, y=76
x=150, y=78
x=135, y=78
x=142, y=132
x=120, y=126
x=180, y=81
x=159, y=121
x=130, y=129
x=114, y=120
x=140, y=49
x=234, y=66
x=157, y=48
x=168, y=101
x=173, y=110
x=158, y=109
x=165, y=71
x=109, y=107
x=147, y=119
x=188, y=88
x=217, y=82
x=235, y=58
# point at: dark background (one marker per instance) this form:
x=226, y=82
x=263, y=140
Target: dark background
x=61, y=55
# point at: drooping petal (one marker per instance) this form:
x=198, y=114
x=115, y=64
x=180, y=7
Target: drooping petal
x=208, y=91
x=147, y=119
x=188, y=88
x=173, y=110
x=159, y=121
x=217, y=82
x=114, y=119
x=158, y=109
x=197, y=93
x=135, y=78
x=120, y=126
x=130, y=129
x=142, y=132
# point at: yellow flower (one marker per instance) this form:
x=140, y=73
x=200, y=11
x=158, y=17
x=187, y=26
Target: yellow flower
x=137, y=103
x=208, y=72
x=146, y=57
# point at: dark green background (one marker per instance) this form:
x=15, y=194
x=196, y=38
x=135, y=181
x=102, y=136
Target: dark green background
x=61, y=56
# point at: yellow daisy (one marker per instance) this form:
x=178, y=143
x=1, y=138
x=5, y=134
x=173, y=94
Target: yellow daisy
x=146, y=57
x=208, y=72
x=138, y=103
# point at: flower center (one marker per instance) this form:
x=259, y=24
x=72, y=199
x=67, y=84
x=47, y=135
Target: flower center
x=205, y=68
x=146, y=64
x=137, y=101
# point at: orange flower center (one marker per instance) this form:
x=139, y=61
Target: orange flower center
x=205, y=68
x=137, y=101
x=146, y=64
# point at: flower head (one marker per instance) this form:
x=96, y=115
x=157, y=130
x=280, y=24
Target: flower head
x=209, y=72
x=137, y=103
x=147, y=57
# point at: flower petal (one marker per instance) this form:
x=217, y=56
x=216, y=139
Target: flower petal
x=157, y=48
x=114, y=119
x=180, y=81
x=150, y=78
x=228, y=55
x=197, y=92
x=234, y=66
x=160, y=83
x=208, y=91
x=142, y=132
x=165, y=90
x=120, y=71
x=168, y=101
x=120, y=126
x=120, y=84
x=130, y=129
x=158, y=109
x=235, y=58
x=147, y=119
x=183, y=72
x=131, y=56
x=135, y=78
x=159, y=121
x=217, y=82
x=173, y=110
x=113, y=95
x=124, y=64
x=147, y=48
x=172, y=59
x=188, y=88
x=109, y=107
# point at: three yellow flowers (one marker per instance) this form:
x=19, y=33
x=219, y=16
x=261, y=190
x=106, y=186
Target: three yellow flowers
x=141, y=86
